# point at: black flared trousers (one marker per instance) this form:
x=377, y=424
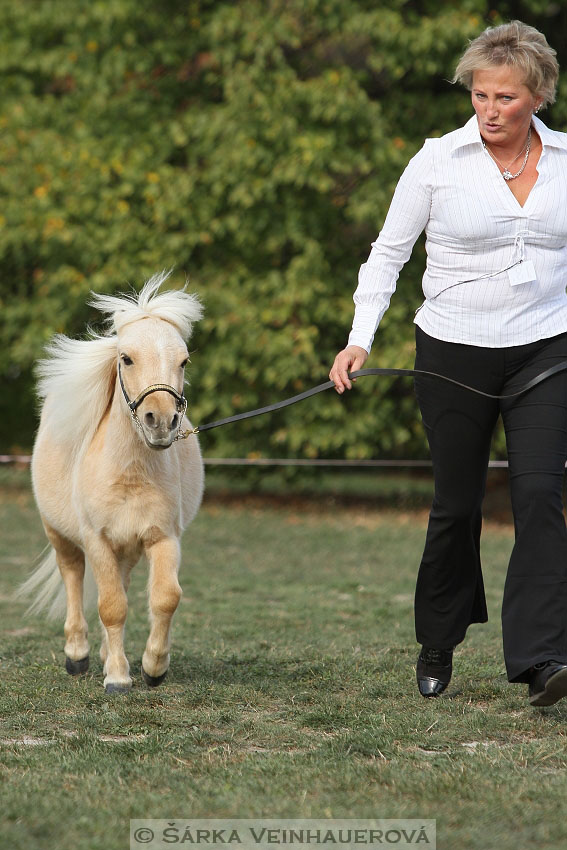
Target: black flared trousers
x=459, y=426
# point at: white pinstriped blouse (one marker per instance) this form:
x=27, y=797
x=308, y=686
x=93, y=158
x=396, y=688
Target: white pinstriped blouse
x=479, y=243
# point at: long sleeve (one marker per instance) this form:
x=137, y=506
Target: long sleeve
x=406, y=219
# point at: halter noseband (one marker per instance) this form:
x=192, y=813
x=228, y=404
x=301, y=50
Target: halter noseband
x=155, y=388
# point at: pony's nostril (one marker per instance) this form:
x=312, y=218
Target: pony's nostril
x=149, y=419
x=175, y=421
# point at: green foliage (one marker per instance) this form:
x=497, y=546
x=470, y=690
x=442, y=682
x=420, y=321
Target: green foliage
x=253, y=146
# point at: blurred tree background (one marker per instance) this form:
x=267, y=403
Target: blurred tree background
x=252, y=146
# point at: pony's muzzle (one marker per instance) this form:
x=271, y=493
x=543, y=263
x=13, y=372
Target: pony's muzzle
x=160, y=426
x=159, y=419
x=152, y=421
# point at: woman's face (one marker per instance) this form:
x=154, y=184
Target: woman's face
x=503, y=105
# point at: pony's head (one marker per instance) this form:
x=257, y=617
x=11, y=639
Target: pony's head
x=151, y=330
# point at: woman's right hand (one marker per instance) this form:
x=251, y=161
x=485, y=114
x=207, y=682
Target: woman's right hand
x=350, y=359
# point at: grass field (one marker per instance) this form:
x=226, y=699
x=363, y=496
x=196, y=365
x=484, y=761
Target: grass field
x=291, y=693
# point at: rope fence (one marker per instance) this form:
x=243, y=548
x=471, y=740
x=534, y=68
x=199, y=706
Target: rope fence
x=285, y=461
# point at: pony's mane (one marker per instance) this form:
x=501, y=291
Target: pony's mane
x=76, y=378
x=176, y=307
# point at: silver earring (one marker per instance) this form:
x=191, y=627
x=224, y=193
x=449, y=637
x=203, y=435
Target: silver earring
x=537, y=109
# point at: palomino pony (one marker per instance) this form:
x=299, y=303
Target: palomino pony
x=111, y=476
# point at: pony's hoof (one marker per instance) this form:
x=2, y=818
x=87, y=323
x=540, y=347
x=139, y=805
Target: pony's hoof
x=117, y=689
x=75, y=668
x=153, y=681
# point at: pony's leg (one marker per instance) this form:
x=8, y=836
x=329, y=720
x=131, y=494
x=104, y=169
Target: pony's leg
x=125, y=570
x=71, y=563
x=164, y=596
x=112, y=609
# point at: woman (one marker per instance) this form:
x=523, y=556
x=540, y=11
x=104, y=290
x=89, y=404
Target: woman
x=492, y=197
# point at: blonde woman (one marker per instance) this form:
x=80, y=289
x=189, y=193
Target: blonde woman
x=492, y=198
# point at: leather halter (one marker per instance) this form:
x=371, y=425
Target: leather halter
x=155, y=388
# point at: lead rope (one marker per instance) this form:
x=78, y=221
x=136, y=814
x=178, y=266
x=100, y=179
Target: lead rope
x=363, y=373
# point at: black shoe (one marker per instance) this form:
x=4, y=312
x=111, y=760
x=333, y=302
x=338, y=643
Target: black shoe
x=548, y=683
x=434, y=669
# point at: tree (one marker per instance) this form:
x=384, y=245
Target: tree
x=253, y=146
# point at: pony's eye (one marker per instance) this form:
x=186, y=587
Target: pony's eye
x=126, y=360
x=185, y=362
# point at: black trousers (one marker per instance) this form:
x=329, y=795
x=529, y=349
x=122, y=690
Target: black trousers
x=459, y=426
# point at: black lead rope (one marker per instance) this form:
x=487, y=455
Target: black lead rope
x=362, y=373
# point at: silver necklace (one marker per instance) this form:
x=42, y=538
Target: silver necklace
x=506, y=174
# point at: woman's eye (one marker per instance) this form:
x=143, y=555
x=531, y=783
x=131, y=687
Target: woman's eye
x=127, y=360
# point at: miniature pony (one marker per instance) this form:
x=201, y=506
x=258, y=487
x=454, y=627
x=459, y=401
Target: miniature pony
x=114, y=478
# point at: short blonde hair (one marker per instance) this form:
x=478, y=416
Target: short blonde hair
x=518, y=45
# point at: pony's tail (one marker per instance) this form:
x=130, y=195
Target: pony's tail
x=47, y=588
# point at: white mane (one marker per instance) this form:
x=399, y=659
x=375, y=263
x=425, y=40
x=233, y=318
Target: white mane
x=178, y=308
x=77, y=377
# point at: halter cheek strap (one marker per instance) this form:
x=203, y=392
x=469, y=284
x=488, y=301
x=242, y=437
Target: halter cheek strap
x=153, y=388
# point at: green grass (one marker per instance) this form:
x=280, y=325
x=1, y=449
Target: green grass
x=291, y=693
